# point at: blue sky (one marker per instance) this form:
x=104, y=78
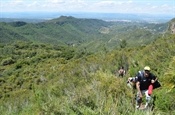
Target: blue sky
x=105, y=6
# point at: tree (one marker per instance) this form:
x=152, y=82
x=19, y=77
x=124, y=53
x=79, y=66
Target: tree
x=123, y=44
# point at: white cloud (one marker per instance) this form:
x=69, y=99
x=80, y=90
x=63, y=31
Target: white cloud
x=165, y=6
x=130, y=2
x=56, y=1
x=154, y=7
x=115, y=6
x=109, y=6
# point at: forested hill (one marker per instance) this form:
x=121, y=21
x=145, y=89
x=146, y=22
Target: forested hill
x=63, y=30
x=82, y=33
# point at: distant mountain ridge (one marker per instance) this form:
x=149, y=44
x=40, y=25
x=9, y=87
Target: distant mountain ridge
x=104, y=16
x=59, y=30
x=81, y=32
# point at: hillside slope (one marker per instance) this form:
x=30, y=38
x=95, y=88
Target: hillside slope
x=63, y=29
x=53, y=79
x=172, y=26
x=82, y=33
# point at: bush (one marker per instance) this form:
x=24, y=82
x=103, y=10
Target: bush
x=7, y=61
x=164, y=101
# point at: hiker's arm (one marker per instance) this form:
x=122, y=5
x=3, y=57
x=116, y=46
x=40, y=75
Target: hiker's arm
x=138, y=88
x=130, y=79
x=154, y=79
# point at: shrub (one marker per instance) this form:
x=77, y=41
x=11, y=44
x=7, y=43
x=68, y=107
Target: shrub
x=164, y=100
x=7, y=61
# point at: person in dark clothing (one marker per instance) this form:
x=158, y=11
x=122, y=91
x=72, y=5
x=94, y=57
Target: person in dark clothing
x=143, y=80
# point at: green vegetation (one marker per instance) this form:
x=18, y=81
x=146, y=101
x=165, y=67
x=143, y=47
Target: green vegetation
x=44, y=78
x=82, y=33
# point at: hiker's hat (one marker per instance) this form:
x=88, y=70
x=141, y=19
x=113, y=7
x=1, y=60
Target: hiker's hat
x=147, y=68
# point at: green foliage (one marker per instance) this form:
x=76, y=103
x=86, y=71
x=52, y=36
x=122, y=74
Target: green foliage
x=165, y=100
x=123, y=44
x=82, y=33
x=59, y=79
x=7, y=61
x=18, y=23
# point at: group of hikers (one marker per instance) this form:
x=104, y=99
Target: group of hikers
x=144, y=82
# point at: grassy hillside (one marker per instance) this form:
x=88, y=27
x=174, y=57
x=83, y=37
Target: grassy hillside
x=53, y=79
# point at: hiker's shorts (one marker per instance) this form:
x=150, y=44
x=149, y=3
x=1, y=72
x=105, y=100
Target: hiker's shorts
x=144, y=92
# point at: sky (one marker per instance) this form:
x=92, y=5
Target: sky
x=101, y=6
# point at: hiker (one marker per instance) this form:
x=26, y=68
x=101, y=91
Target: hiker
x=121, y=71
x=143, y=80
